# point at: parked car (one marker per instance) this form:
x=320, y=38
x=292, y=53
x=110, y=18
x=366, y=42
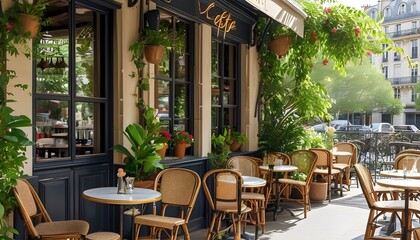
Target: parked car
x=320, y=127
x=406, y=128
x=354, y=128
x=382, y=127
x=338, y=123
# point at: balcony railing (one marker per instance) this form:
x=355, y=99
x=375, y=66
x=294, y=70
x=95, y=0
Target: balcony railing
x=402, y=33
x=404, y=80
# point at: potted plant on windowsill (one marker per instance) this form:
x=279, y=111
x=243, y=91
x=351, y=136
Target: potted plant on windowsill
x=31, y=15
x=237, y=140
x=181, y=140
x=142, y=159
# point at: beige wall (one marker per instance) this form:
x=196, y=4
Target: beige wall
x=23, y=104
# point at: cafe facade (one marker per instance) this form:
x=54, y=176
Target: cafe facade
x=82, y=93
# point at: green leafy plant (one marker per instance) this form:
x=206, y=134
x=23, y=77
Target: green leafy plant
x=13, y=143
x=219, y=150
x=238, y=137
x=143, y=160
x=299, y=176
x=289, y=97
x=36, y=8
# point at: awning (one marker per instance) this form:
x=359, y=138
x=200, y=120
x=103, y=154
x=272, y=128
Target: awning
x=285, y=12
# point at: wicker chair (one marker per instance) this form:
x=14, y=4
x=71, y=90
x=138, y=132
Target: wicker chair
x=31, y=208
x=305, y=161
x=324, y=168
x=377, y=207
x=345, y=163
x=409, y=158
x=224, y=199
x=179, y=188
x=254, y=198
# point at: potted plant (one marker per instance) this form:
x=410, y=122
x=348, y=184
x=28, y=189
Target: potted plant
x=31, y=15
x=166, y=137
x=219, y=150
x=154, y=43
x=237, y=140
x=181, y=140
x=142, y=159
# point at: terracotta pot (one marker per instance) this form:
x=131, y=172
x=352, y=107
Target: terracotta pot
x=162, y=152
x=235, y=146
x=144, y=184
x=153, y=54
x=179, y=150
x=318, y=191
x=30, y=24
x=280, y=45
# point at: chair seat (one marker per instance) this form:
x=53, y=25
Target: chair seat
x=103, y=236
x=340, y=166
x=159, y=221
x=62, y=227
x=292, y=181
x=397, y=205
x=252, y=196
x=325, y=171
x=229, y=208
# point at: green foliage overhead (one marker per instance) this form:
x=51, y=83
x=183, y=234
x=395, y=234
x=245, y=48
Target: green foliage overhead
x=363, y=89
x=338, y=34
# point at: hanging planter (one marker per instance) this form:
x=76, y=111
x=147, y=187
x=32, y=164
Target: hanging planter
x=30, y=23
x=280, y=45
x=153, y=53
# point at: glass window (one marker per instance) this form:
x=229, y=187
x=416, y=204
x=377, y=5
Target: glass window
x=69, y=96
x=173, y=94
x=385, y=54
x=413, y=95
x=397, y=93
x=414, y=48
x=387, y=12
x=409, y=118
x=402, y=9
x=225, y=87
x=413, y=7
x=414, y=74
x=385, y=72
x=397, y=56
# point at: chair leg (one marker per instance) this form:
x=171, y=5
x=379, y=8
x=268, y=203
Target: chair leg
x=137, y=231
x=186, y=232
x=211, y=227
x=369, y=225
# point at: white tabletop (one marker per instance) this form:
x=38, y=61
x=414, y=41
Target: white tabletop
x=280, y=168
x=342, y=153
x=250, y=181
x=399, y=174
x=404, y=183
x=109, y=195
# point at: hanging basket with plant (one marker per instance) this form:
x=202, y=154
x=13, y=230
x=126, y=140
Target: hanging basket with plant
x=280, y=45
x=155, y=43
x=31, y=15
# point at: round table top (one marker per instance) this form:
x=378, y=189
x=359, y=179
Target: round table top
x=404, y=183
x=249, y=181
x=341, y=153
x=399, y=174
x=280, y=168
x=109, y=195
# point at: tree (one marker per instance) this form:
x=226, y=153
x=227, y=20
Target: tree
x=289, y=97
x=362, y=89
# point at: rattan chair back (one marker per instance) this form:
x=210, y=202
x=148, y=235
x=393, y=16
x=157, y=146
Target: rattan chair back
x=226, y=194
x=366, y=183
x=409, y=158
x=347, y=147
x=247, y=166
x=305, y=161
x=325, y=158
x=272, y=157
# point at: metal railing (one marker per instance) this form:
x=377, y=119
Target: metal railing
x=378, y=150
x=404, y=80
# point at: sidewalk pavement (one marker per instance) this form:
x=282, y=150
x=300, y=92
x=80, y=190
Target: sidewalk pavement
x=344, y=218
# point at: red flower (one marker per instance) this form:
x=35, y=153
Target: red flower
x=325, y=62
x=327, y=10
x=334, y=30
x=166, y=134
x=313, y=36
x=311, y=65
x=357, y=31
x=368, y=52
x=190, y=136
x=9, y=26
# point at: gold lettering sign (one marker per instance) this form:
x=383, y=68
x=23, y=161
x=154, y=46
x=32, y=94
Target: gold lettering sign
x=222, y=21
